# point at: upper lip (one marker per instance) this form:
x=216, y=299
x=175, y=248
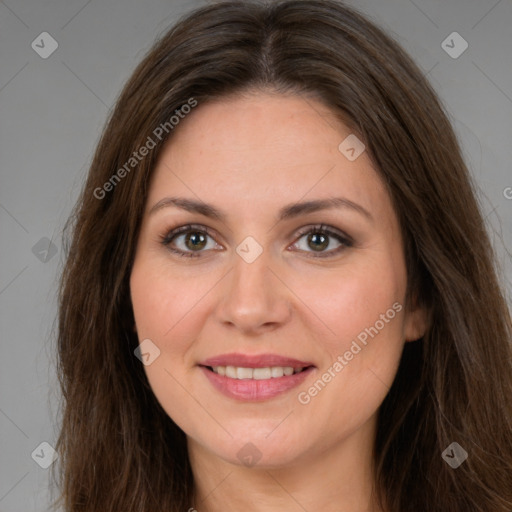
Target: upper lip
x=254, y=361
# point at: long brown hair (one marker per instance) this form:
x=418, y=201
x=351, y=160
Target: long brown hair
x=118, y=448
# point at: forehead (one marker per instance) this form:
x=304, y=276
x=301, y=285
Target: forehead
x=258, y=151
x=278, y=128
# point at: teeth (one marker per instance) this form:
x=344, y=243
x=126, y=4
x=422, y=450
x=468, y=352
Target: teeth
x=277, y=371
x=243, y=373
x=236, y=372
x=261, y=373
x=230, y=372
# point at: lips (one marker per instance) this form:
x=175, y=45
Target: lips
x=255, y=361
x=255, y=377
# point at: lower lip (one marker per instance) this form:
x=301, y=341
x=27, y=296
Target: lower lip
x=252, y=390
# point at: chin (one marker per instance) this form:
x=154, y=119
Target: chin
x=258, y=449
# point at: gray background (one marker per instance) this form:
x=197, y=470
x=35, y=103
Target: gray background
x=51, y=114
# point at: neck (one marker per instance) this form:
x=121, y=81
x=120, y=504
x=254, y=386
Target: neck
x=332, y=479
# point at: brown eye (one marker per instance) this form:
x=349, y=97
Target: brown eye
x=188, y=241
x=319, y=238
x=318, y=241
x=195, y=240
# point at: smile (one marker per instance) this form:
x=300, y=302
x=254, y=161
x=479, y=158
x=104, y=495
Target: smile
x=238, y=372
x=254, y=378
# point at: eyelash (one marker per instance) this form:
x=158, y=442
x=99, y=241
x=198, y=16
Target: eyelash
x=345, y=240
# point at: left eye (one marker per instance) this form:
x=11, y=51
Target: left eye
x=195, y=239
x=320, y=239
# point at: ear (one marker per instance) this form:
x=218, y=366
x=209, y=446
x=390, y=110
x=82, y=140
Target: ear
x=416, y=321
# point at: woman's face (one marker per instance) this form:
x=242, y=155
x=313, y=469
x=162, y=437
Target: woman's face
x=259, y=289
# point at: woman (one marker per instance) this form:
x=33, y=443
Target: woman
x=280, y=294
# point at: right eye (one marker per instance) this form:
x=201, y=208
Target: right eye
x=194, y=238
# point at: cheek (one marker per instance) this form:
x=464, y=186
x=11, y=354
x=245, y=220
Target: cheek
x=163, y=302
x=364, y=313
x=162, y=309
x=348, y=301
x=165, y=308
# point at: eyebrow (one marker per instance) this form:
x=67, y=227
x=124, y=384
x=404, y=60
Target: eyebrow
x=287, y=212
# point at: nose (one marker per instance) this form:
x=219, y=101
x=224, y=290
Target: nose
x=254, y=296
